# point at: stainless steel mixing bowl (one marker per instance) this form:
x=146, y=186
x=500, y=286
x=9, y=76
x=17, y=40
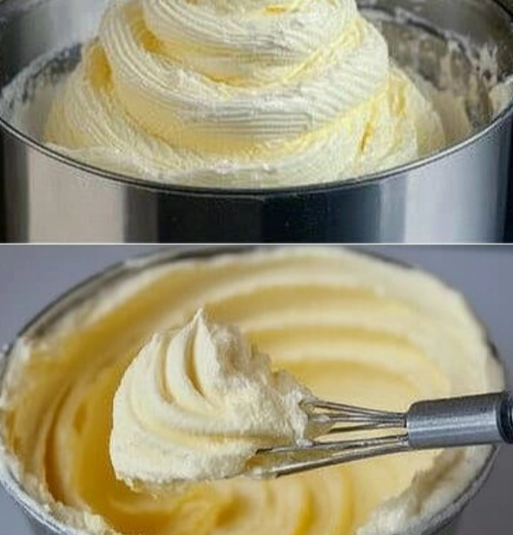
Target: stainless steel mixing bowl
x=443, y=523
x=456, y=196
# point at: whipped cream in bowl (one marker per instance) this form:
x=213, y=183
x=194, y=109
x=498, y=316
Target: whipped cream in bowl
x=259, y=95
x=350, y=327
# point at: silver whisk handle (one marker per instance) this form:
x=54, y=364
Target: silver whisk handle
x=466, y=421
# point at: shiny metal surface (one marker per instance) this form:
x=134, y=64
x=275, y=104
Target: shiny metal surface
x=455, y=422
x=42, y=523
x=450, y=529
x=459, y=197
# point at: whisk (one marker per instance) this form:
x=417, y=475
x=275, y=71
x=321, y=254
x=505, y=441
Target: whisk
x=434, y=424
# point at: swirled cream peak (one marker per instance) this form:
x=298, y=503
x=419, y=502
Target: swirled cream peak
x=197, y=403
x=241, y=93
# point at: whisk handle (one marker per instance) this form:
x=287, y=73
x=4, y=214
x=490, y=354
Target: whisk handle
x=466, y=421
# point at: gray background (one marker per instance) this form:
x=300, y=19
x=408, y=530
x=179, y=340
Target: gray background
x=31, y=276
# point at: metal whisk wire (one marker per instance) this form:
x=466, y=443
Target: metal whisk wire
x=335, y=418
x=352, y=418
x=434, y=424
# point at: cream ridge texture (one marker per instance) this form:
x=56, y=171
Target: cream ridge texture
x=197, y=403
x=241, y=93
x=350, y=327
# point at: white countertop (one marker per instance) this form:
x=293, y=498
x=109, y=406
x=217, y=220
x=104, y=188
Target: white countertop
x=31, y=276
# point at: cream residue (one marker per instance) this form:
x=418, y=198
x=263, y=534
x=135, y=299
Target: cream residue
x=197, y=404
x=241, y=94
x=351, y=328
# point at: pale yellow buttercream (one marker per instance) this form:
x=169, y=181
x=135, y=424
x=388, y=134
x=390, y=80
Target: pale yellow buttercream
x=349, y=327
x=197, y=403
x=241, y=94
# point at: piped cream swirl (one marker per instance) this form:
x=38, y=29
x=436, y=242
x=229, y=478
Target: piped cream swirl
x=253, y=93
x=197, y=403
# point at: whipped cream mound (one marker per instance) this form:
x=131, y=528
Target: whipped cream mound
x=197, y=403
x=241, y=94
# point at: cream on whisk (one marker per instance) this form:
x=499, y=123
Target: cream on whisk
x=197, y=403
